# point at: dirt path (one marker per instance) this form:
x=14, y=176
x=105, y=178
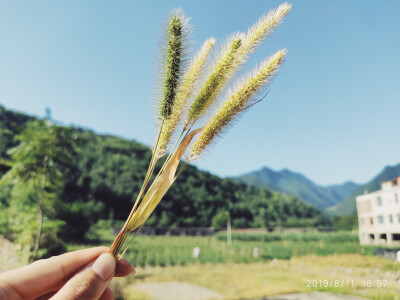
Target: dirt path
x=174, y=290
x=313, y=296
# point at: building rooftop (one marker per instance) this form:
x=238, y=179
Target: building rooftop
x=390, y=183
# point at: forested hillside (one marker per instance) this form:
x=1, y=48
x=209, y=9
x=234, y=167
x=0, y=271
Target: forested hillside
x=102, y=177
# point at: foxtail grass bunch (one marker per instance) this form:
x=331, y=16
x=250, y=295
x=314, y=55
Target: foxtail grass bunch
x=194, y=106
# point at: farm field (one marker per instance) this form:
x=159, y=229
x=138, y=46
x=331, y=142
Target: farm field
x=177, y=250
x=286, y=261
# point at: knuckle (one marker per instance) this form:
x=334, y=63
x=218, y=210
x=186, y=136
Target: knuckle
x=82, y=289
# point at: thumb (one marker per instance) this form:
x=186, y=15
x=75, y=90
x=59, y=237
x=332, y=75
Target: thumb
x=91, y=282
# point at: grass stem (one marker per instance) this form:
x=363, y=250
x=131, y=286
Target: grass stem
x=121, y=238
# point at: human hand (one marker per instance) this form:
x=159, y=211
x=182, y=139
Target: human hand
x=82, y=274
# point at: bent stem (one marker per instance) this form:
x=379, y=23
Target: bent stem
x=125, y=231
x=130, y=242
x=119, y=241
x=180, y=171
x=171, y=152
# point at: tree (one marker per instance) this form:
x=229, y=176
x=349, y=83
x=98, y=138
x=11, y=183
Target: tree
x=38, y=164
x=220, y=219
x=345, y=222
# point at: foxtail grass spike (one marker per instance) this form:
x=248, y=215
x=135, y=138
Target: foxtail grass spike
x=175, y=48
x=263, y=28
x=222, y=72
x=185, y=91
x=237, y=102
x=232, y=60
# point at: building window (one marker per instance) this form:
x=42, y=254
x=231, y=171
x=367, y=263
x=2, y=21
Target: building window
x=378, y=201
x=390, y=218
x=398, y=218
x=380, y=219
x=396, y=198
x=371, y=221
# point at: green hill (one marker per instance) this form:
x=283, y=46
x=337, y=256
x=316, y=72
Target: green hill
x=11, y=123
x=108, y=172
x=348, y=206
x=286, y=181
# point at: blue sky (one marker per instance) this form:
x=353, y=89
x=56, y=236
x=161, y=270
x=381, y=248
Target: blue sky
x=332, y=112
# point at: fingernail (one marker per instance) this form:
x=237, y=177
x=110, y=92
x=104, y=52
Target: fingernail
x=125, y=261
x=104, y=266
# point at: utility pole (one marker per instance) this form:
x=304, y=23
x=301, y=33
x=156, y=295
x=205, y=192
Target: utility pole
x=229, y=232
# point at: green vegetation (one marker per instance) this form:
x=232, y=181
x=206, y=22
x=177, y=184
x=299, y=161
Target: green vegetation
x=325, y=237
x=169, y=251
x=33, y=182
x=220, y=220
x=345, y=222
x=103, y=179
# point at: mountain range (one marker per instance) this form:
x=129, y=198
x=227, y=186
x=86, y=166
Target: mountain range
x=348, y=205
x=286, y=181
x=334, y=199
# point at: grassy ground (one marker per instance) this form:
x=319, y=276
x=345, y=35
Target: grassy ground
x=257, y=280
x=286, y=262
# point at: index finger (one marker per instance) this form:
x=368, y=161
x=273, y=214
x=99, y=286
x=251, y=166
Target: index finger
x=50, y=274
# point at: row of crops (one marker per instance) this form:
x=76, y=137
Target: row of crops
x=170, y=251
x=178, y=250
x=329, y=237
